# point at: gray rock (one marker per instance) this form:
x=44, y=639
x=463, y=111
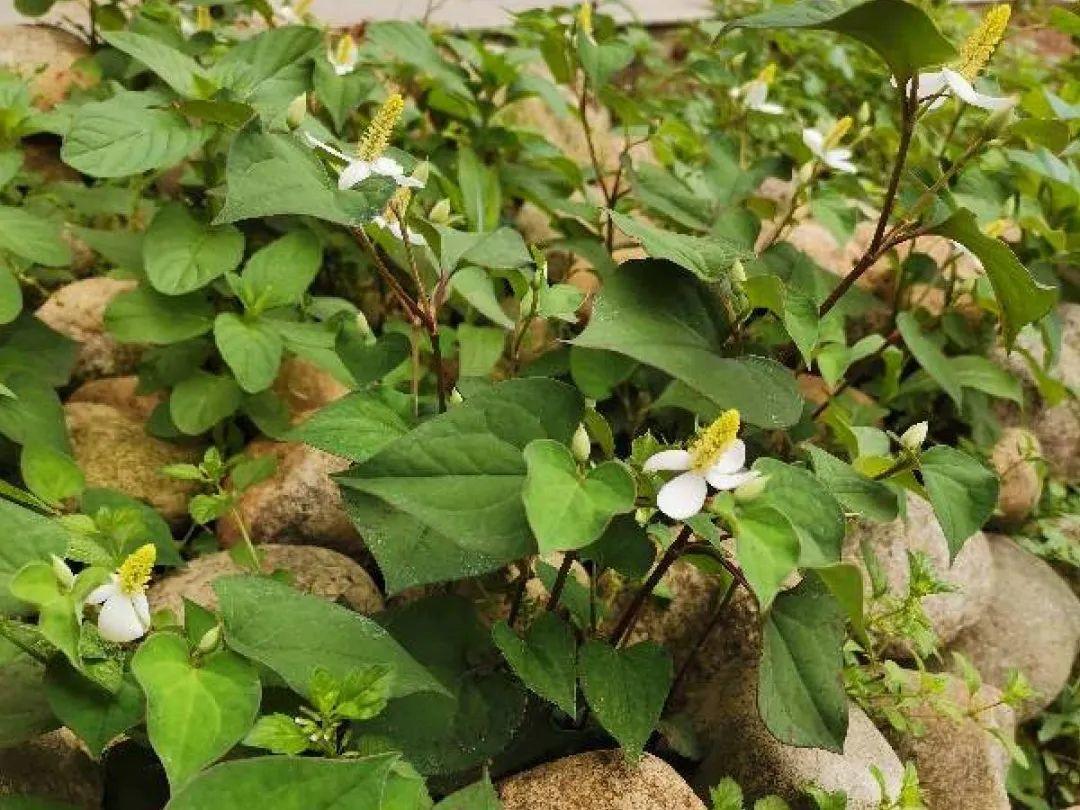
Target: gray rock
x=1016, y=459
x=1032, y=624
x=599, y=780
x=317, y=571
x=115, y=451
x=971, y=573
x=961, y=764
x=1058, y=429
x=78, y=311
x=53, y=766
x=744, y=749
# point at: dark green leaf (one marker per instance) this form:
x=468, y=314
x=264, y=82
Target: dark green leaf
x=544, y=659
x=962, y=491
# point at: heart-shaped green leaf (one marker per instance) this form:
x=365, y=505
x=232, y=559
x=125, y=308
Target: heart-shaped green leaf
x=543, y=659
x=568, y=510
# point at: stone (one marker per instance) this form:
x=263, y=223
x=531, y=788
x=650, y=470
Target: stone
x=53, y=766
x=534, y=224
x=120, y=393
x=744, y=749
x=319, y=571
x=78, y=311
x=46, y=55
x=1016, y=457
x=304, y=387
x=961, y=764
x=115, y=451
x=1032, y=624
x=971, y=573
x=1058, y=431
x=599, y=780
x=298, y=505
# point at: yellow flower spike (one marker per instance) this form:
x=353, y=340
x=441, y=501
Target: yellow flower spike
x=377, y=135
x=768, y=73
x=134, y=573
x=838, y=131
x=203, y=20
x=715, y=439
x=344, y=51
x=302, y=7
x=976, y=52
x=585, y=18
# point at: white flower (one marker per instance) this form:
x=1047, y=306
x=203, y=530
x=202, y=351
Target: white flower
x=344, y=56
x=395, y=229
x=945, y=82
x=756, y=92
x=823, y=148
x=125, y=612
x=716, y=458
x=915, y=436
x=285, y=13
x=357, y=171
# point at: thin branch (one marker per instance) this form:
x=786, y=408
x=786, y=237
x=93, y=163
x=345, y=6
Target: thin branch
x=560, y=580
x=631, y=614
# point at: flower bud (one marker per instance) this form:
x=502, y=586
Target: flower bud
x=581, y=445
x=64, y=574
x=863, y=115
x=751, y=489
x=455, y=397
x=210, y=640
x=806, y=172
x=914, y=437
x=297, y=111
x=738, y=272
x=440, y=213
x=737, y=60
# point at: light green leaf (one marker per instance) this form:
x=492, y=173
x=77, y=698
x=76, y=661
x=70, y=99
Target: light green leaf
x=544, y=659
x=275, y=174
x=930, y=356
x=481, y=193
x=983, y=374
x=195, y=711
x=502, y=248
x=30, y=411
x=11, y=297
x=50, y=474
x=144, y=315
x=30, y=538
x=707, y=257
x=660, y=315
x=626, y=689
x=767, y=548
x=962, y=491
x=1023, y=300
x=567, y=509
x=202, y=400
x=474, y=285
x=905, y=37
x=602, y=61
x=121, y=137
x=411, y=43
x=446, y=497
x=295, y=634
x=176, y=69
x=280, y=273
x=479, y=349
x=32, y=238
x=800, y=685
x=250, y=348
x=855, y=491
x=807, y=503
x=182, y=255
x=355, y=427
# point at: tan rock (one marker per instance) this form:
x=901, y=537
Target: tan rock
x=534, y=223
x=115, y=451
x=1016, y=459
x=1032, y=624
x=1058, y=431
x=53, y=766
x=566, y=132
x=961, y=764
x=971, y=573
x=78, y=311
x=120, y=393
x=628, y=254
x=318, y=571
x=744, y=749
x=47, y=55
x=299, y=504
x=599, y=780
x=305, y=387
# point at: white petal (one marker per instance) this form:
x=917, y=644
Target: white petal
x=408, y=182
x=731, y=460
x=142, y=608
x=770, y=108
x=387, y=167
x=669, y=460
x=683, y=496
x=354, y=174
x=313, y=141
x=119, y=622
x=840, y=159
x=103, y=592
x=930, y=84
x=963, y=89
x=733, y=480
x=416, y=239
x=343, y=70
x=814, y=140
x=755, y=94
x=380, y=220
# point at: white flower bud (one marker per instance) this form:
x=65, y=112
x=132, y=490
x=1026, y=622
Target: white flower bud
x=64, y=574
x=737, y=60
x=455, y=397
x=297, y=111
x=863, y=116
x=751, y=489
x=581, y=445
x=915, y=436
x=210, y=640
x=440, y=213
